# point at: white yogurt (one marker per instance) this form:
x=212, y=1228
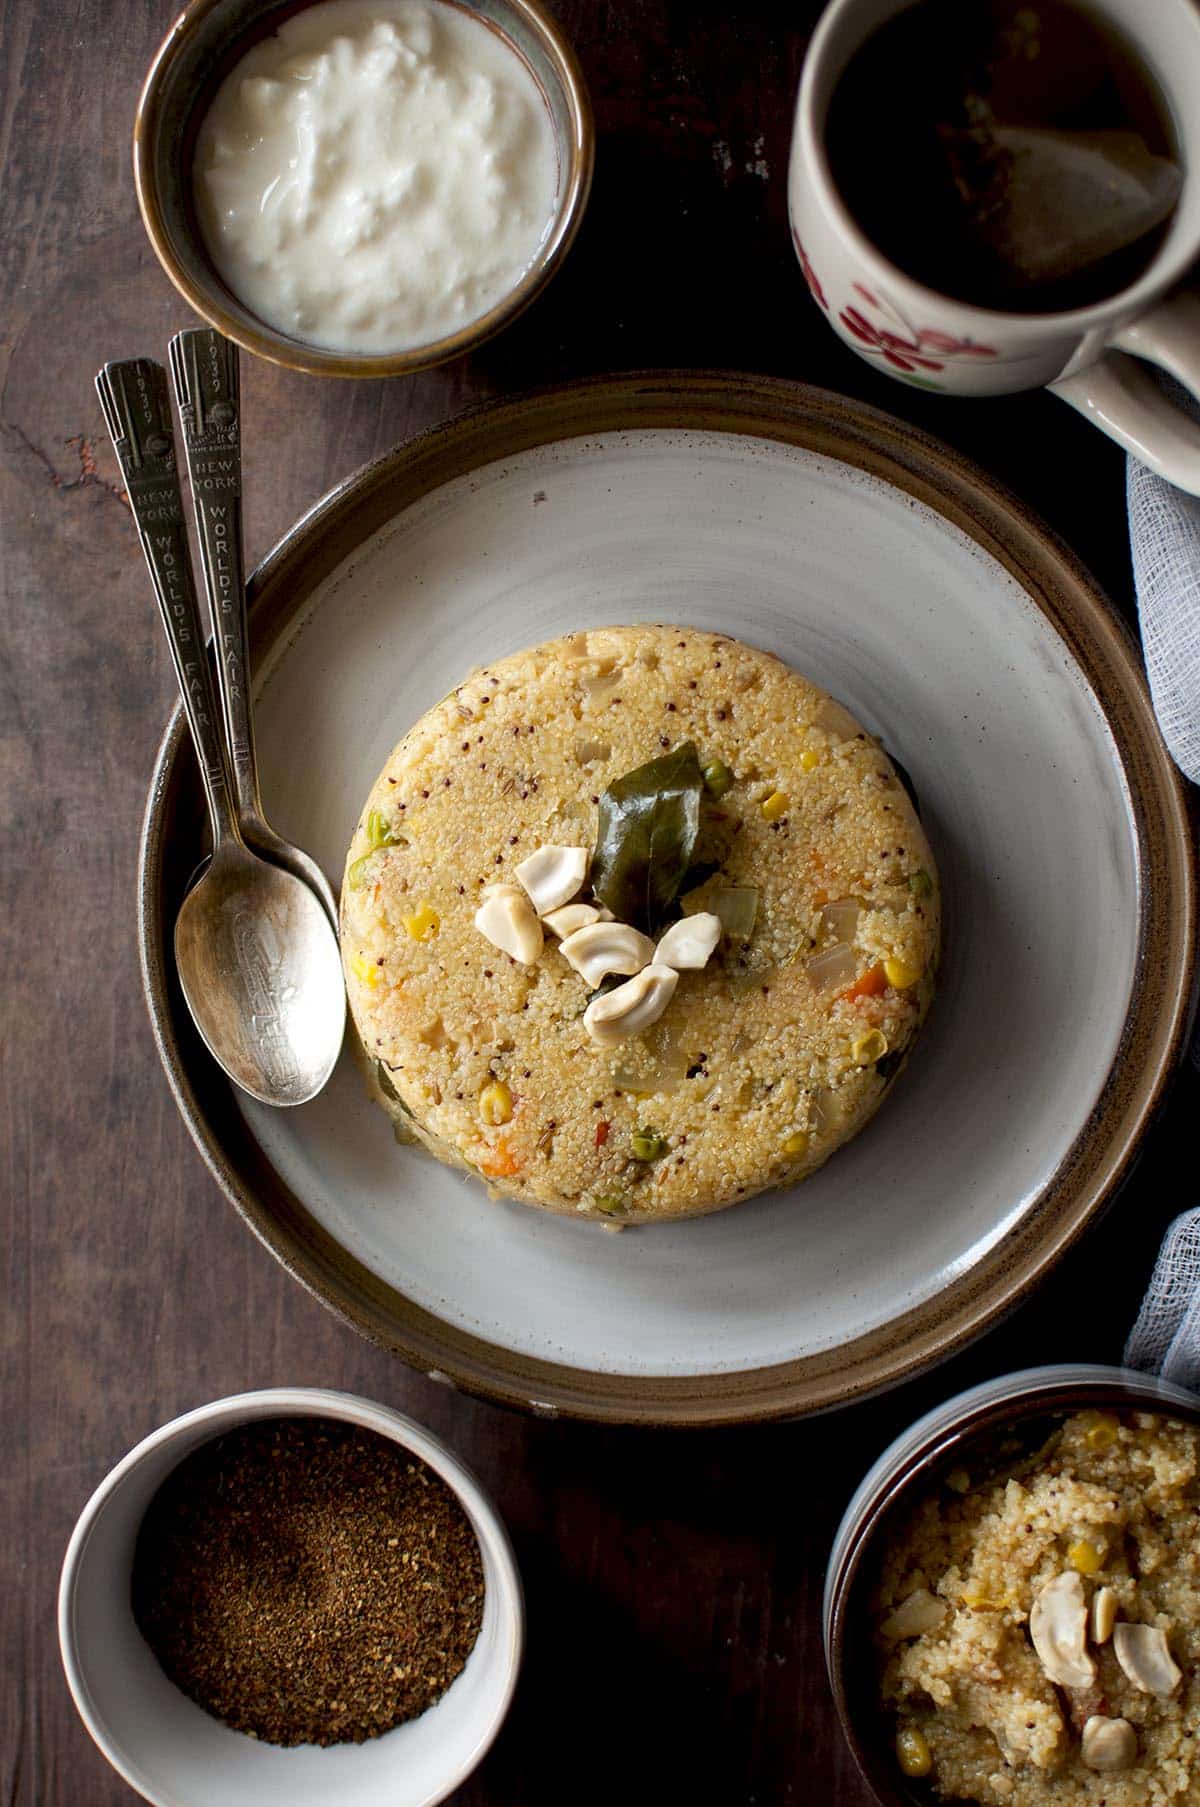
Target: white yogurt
x=376, y=175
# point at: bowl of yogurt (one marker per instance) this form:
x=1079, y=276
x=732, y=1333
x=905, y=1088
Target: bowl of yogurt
x=362, y=187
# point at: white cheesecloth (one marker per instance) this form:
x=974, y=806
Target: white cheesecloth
x=1164, y=540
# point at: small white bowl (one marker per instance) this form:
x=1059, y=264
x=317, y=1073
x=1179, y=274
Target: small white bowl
x=177, y=1755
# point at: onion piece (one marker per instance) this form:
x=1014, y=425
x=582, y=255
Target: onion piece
x=663, y=1066
x=835, y=718
x=833, y=966
x=825, y=1109
x=658, y=1081
x=588, y=751
x=840, y=919
x=607, y=674
x=735, y=905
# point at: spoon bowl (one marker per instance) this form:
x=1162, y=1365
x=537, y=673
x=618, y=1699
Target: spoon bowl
x=262, y=976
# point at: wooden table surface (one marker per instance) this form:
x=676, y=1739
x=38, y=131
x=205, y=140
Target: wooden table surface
x=674, y=1580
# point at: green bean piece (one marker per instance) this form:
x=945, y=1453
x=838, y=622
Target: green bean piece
x=379, y=832
x=648, y=1145
x=717, y=777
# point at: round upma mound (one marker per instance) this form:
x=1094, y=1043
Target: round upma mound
x=765, y=1061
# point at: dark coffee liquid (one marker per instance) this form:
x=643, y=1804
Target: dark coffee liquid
x=1010, y=153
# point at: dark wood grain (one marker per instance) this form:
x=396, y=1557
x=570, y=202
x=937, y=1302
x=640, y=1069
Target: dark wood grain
x=674, y=1581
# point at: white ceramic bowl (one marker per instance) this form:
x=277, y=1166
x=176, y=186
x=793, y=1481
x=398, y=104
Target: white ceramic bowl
x=177, y=1755
x=952, y=625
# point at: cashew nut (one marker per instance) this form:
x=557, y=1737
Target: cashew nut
x=689, y=942
x=918, y=1612
x=508, y=920
x=1058, y=1628
x=574, y=916
x=607, y=947
x=1145, y=1656
x=552, y=876
x=1109, y=1744
x=1104, y=1614
x=632, y=1007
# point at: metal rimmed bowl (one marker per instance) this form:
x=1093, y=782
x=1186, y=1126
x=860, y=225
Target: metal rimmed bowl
x=1024, y=1406
x=207, y=39
x=955, y=626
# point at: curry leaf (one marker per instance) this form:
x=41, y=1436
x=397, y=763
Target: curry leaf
x=608, y=983
x=649, y=820
x=387, y=1088
x=903, y=774
x=700, y=873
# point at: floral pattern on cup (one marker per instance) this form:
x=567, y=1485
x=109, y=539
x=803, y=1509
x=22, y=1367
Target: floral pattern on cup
x=810, y=275
x=907, y=351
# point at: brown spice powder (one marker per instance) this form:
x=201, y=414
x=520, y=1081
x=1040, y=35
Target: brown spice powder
x=308, y=1582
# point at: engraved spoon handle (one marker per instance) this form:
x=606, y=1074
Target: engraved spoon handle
x=204, y=365
x=137, y=411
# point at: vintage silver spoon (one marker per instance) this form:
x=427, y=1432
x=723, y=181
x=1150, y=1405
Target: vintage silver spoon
x=204, y=366
x=255, y=950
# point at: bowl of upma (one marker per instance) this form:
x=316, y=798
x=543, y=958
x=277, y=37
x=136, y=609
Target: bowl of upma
x=637, y=923
x=1012, y=1611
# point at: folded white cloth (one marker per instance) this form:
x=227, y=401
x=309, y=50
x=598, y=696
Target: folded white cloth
x=1164, y=540
x=1166, y=1338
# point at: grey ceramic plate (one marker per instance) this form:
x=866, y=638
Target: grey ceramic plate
x=951, y=623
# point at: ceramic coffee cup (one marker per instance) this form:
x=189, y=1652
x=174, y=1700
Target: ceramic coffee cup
x=1090, y=356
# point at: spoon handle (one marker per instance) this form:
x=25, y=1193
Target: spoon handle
x=137, y=411
x=204, y=365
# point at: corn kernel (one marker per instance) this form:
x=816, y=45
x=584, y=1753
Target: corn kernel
x=809, y=761
x=774, y=806
x=495, y=1104
x=364, y=970
x=869, y=1048
x=423, y=924
x=978, y=1601
x=900, y=975
x=1085, y=1556
x=912, y=1752
x=796, y=1144
x=1101, y=1433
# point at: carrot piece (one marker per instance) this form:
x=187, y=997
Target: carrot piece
x=500, y=1162
x=602, y=1130
x=872, y=985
